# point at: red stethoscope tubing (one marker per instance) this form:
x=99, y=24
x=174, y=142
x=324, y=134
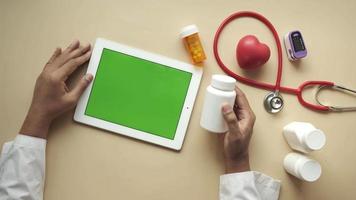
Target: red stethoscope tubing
x=277, y=86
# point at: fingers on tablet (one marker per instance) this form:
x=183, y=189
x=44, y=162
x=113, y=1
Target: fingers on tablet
x=75, y=44
x=55, y=54
x=65, y=56
x=79, y=51
x=75, y=59
x=78, y=90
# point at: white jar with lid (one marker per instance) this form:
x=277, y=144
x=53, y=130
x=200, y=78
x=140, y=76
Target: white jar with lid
x=304, y=137
x=302, y=167
x=221, y=90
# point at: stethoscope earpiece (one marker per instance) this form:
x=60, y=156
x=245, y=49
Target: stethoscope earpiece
x=273, y=102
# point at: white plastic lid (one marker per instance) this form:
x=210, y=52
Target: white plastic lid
x=223, y=82
x=189, y=30
x=315, y=140
x=310, y=170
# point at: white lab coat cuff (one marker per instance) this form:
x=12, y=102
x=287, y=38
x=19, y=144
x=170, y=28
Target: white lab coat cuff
x=30, y=142
x=248, y=185
x=22, y=168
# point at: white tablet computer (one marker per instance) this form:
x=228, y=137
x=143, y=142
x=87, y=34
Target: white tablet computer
x=139, y=94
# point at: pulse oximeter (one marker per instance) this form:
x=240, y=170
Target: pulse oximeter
x=294, y=44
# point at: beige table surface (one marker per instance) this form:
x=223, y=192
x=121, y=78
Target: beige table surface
x=88, y=163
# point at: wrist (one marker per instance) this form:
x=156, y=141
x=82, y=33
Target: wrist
x=237, y=165
x=36, y=124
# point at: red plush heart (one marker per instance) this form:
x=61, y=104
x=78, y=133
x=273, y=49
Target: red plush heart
x=250, y=53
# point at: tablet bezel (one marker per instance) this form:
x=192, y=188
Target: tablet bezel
x=187, y=108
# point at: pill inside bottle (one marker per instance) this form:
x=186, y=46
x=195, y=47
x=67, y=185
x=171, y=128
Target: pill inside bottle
x=192, y=43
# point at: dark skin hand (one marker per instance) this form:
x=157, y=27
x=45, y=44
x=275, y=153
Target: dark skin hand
x=240, y=121
x=51, y=96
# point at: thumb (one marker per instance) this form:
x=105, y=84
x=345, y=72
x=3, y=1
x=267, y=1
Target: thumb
x=230, y=119
x=81, y=85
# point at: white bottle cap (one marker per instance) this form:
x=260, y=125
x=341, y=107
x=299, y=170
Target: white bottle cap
x=315, y=140
x=310, y=170
x=302, y=167
x=189, y=30
x=223, y=82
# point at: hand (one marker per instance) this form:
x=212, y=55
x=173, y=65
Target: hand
x=51, y=96
x=240, y=121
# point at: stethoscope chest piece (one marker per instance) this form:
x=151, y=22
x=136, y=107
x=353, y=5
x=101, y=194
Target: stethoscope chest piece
x=273, y=102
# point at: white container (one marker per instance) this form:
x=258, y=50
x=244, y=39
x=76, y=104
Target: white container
x=221, y=90
x=302, y=167
x=304, y=137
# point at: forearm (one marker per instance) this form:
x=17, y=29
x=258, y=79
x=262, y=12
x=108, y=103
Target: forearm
x=36, y=124
x=240, y=165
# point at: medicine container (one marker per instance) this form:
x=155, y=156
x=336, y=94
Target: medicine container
x=191, y=40
x=302, y=167
x=304, y=137
x=220, y=92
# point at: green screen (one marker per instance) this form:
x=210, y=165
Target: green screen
x=138, y=94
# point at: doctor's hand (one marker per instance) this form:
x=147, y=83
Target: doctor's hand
x=51, y=96
x=240, y=121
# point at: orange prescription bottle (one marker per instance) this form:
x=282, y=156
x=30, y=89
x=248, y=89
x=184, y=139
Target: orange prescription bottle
x=192, y=43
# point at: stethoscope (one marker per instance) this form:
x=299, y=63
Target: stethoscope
x=273, y=101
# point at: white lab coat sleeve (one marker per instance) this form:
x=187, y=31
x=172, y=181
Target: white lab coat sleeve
x=248, y=185
x=22, y=169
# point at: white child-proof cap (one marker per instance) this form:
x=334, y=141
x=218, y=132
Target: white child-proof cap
x=310, y=170
x=315, y=140
x=304, y=137
x=189, y=30
x=302, y=167
x=223, y=82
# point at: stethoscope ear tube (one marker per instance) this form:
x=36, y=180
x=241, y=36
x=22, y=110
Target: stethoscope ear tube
x=339, y=88
x=299, y=94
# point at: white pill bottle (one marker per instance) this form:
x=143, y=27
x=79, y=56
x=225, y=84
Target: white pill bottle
x=302, y=167
x=304, y=137
x=221, y=91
